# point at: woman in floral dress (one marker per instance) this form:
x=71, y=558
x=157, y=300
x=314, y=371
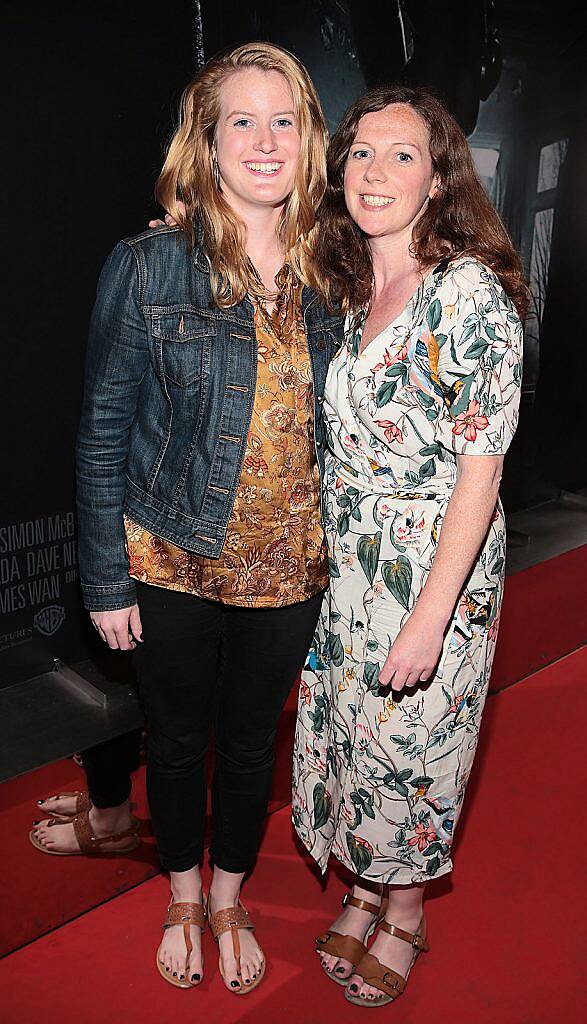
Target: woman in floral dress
x=421, y=403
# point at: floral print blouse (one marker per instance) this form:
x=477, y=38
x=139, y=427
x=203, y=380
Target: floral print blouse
x=451, y=385
x=274, y=553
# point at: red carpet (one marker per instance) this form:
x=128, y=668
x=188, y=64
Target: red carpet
x=507, y=941
x=59, y=895
x=543, y=617
x=542, y=620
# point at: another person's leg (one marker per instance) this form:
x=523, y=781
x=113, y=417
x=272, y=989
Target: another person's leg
x=108, y=767
x=177, y=672
x=263, y=651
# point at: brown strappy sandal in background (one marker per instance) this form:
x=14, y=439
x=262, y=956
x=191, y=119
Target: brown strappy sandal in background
x=346, y=947
x=232, y=919
x=82, y=803
x=185, y=914
x=377, y=975
x=88, y=842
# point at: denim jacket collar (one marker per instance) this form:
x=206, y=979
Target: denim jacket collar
x=199, y=254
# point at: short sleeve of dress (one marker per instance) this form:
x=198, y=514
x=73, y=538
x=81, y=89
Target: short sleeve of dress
x=479, y=376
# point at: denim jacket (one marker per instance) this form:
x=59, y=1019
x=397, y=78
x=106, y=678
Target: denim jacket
x=169, y=390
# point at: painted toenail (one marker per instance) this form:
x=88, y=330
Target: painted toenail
x=234, y=984
x=195, y=977
x=175, y=974
x=248, y=980
x=340, y=970
x=181, y=977
x=353, y=988
x=40, y=802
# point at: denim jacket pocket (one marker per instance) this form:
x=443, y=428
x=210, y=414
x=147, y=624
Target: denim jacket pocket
x=182, y=340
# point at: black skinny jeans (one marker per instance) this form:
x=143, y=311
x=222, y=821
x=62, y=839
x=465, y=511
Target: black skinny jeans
x=108, y=768
x=206, y=667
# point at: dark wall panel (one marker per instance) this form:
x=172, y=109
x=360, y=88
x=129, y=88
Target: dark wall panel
x=561, y=391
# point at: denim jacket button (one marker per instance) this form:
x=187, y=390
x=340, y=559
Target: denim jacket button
x=321, y=344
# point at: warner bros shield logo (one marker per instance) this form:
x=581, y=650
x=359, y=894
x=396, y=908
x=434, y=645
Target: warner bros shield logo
x=49, y=619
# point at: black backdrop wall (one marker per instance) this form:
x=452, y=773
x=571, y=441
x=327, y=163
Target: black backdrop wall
x=89, y=94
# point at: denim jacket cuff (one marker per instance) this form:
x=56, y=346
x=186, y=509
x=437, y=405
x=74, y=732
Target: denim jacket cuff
x=109, y=598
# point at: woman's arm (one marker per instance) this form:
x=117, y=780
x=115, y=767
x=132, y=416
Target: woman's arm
x=482, y=350
x=116, y=362
x=415, y=652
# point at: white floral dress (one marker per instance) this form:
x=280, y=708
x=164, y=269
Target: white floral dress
x=379, y=782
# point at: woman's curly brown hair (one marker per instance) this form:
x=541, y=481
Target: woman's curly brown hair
x=459, y=220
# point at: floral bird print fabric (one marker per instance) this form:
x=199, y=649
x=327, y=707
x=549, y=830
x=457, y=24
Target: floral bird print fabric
x=379, y=781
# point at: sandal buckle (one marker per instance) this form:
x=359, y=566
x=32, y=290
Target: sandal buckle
x=389, y=980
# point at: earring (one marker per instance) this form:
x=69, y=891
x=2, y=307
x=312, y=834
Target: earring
x=216, y=173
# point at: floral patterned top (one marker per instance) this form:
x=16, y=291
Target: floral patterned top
x=275, y=552
x=450, y=369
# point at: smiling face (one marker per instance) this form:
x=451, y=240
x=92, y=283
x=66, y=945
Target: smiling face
x=388, y=172
x=257, y=139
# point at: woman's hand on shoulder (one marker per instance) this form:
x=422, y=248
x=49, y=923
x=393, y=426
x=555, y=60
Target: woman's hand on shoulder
x=413, y=656
x=120, y=629
x=169, y=220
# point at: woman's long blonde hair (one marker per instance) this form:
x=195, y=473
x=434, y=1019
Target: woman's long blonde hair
x=188, y=173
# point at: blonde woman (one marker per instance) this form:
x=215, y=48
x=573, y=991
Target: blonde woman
x=199, y=463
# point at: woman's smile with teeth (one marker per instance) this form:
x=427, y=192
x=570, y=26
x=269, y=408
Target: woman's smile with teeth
x=264, y=168
x=377, y=200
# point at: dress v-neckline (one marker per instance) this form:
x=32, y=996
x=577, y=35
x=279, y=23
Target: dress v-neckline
x=400, y=316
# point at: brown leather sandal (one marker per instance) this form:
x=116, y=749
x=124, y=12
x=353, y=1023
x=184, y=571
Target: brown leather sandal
x=185, y=914
x=346, y=946
x=384, y=978
x=82, y=803
x=89, y=844
x=232, y=919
